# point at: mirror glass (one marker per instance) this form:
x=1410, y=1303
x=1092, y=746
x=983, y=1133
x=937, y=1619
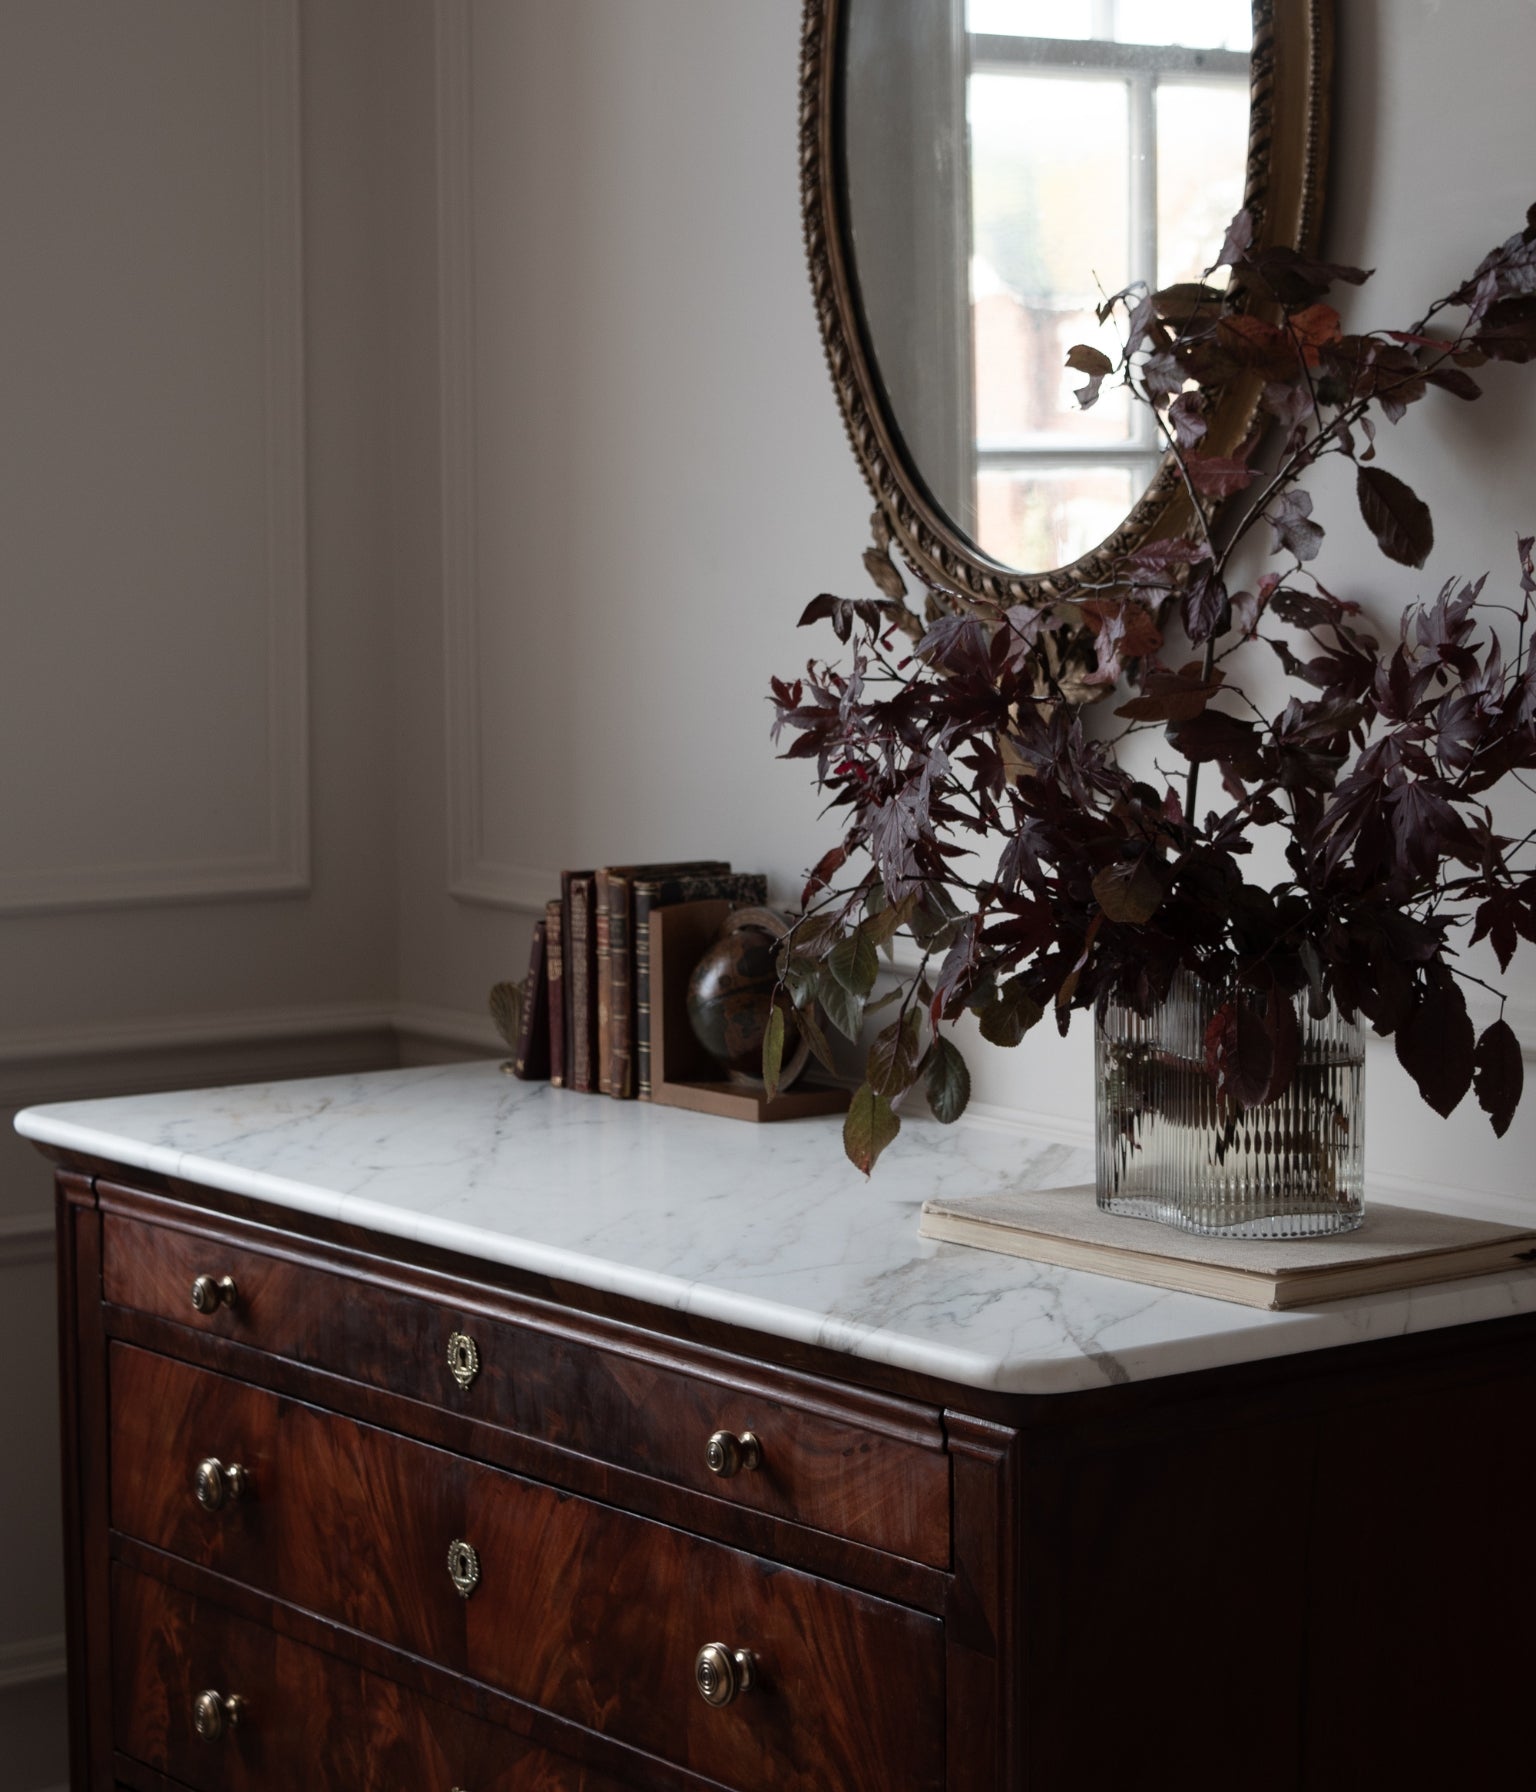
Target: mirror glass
x=1008, y=163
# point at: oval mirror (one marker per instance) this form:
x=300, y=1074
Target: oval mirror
x=978, y=174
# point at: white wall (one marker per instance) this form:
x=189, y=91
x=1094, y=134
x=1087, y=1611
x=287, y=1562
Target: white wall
x=646, y=476
x=571, y=466
x=197, y=841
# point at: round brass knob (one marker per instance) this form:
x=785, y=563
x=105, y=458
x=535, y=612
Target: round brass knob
x=213, y=1713
x=208, y=1294
x=728, y=1454
x=722, y=1674
x=219, y=1485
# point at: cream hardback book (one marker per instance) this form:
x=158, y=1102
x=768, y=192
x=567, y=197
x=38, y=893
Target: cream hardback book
x=1396, y=1247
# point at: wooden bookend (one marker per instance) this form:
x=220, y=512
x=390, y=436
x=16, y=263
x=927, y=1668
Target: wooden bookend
x=683, y=1075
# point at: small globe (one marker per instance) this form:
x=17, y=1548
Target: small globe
x=730, y=996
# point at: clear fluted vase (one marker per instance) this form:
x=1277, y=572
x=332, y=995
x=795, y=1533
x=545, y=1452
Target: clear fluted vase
x=1170, y=1148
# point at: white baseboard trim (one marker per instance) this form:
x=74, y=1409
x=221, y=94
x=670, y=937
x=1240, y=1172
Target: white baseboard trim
x=181, y=1033
x=449, y=1026
x=26, y=1238
x=32, y=1661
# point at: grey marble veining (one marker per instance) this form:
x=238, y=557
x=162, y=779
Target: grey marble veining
x=764, y=1226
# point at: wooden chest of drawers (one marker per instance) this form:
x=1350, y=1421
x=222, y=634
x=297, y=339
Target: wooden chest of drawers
x=344, y=1514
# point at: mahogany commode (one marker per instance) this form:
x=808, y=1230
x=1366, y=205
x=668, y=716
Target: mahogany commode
x=351, y=1510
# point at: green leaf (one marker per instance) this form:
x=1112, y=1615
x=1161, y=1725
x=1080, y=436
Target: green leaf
x=844, y=1009
x=948, y=1083
x=1010, y=1014
x=1130, y=890
x=870, y=1126
x=893, y=1057
x=773, y=1051
x=886, y=919
x=854, y=962
x=811, y=1033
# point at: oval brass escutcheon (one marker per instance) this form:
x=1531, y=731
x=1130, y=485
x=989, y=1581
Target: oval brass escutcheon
x=463, y=1567
x=463, y=1358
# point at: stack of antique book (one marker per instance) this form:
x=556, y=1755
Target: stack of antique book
x=586, y=1011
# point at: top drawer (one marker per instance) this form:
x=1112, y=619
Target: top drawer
x=861, y=1466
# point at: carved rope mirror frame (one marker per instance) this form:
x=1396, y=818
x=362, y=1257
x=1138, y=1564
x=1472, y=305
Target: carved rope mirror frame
x=1292, y=69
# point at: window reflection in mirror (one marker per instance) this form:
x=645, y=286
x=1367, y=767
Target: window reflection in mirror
x=1062, y=149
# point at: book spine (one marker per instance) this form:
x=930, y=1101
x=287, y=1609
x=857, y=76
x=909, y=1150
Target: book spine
x=621, y=1022
x=645, y=900
x=556, y=974
x=530, y=1061
x=650, y=894
x=581, y=976
x=602, y=929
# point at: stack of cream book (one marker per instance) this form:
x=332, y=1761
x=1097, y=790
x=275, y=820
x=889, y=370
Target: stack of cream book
x=1396, y=1247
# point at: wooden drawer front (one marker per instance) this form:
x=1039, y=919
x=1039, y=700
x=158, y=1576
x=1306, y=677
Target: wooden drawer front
x=875, y=1471
x=306, y=1720
x=591, y=1613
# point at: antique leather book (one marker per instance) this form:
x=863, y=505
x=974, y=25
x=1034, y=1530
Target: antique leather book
x=739, y=887
x=579, y=946
x=554, y=959
x=616, y=964
x=531, y=1059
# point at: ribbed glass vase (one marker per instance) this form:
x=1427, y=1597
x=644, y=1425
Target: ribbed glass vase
x=1168, y=1149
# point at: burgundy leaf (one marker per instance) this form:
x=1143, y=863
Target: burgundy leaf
x=1291, y=521
x=1453, y=380
x=1187, y=416
x=827, y=867
x=1083, y=358
x=1170, y=697
x=1435, y=1044
x=1499, y=1074
x=1396, y=516
x=1218, y=475
x=1508, y=329
x=1202, y=605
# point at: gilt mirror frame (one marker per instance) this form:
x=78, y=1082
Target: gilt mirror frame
x=1289, y=122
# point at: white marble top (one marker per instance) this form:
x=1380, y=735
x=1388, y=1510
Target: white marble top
x=763, y=1226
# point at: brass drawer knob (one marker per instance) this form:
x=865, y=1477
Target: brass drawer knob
x=220, y=1484
x=463, y=1359
x=208, y=1294
x=463, y=1567
x=213, y=1713
x=722, y=1674
x=728, y=1454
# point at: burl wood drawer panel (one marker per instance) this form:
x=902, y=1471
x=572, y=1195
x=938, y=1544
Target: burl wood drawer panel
x=589, y=1612
x=305, y=1719
x=860, y=1466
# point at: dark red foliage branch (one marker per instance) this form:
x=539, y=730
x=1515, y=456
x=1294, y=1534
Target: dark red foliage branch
x=983, y=819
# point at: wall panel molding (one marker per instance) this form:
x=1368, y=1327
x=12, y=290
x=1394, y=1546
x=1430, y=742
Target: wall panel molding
x=474, y=875
x=281, y=864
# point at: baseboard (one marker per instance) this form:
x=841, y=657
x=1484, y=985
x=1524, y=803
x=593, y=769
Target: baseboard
x=449, y=1026
x=32, y=1661
x=81, y=1062
x=26, y=1238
